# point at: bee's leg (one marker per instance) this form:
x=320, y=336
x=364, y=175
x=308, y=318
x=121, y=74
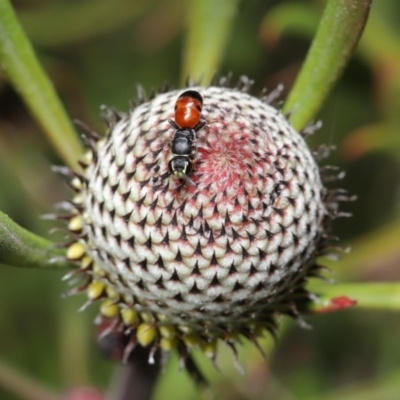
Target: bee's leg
x=173, y=124
x=199, y=126
x=188, y=181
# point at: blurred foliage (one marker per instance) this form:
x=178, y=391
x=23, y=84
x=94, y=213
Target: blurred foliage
x=96, y=53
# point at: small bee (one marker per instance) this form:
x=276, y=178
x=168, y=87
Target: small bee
x=187, y=123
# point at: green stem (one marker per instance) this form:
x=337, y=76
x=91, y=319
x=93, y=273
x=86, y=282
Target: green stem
x=371, y=296
x=19, y=62
x=209, y=25
x=338, y=33
x=21, y=248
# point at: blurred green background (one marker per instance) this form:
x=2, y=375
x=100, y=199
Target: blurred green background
x=96, y=52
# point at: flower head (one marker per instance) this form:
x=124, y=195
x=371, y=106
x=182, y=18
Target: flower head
x=181, y=263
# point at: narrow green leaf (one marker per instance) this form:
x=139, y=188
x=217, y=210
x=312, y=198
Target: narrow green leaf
x=209, y=25
x=338, y=33
x=18, y=61
x=21, y=248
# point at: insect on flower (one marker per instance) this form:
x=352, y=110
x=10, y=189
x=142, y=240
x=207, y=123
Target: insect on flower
x=187, y=122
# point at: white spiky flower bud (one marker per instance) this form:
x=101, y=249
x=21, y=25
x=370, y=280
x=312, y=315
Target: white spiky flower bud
x=186, y=264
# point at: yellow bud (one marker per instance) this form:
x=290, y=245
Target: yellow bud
x=210, y=349
x=75, y=251
x=167, y=332
x=88, y=157
x=77, y=199
x=86, y=262
x=97, y=271
x=75, y=224
x=192, y=340
x=109, y=309
x=145, y=334
x=95, y=290
x=76, y=183
x=129, y=316
x=146, y=317
x=184, y=329
x=112, y=293
x=128, y=299
x=161, y=317
x=168, y=344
